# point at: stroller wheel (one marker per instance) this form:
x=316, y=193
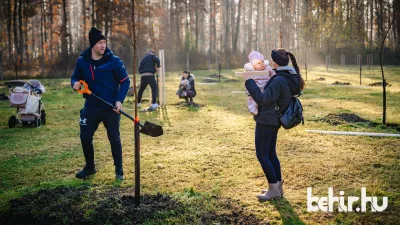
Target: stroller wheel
x=43, y=117
x=38, y=122
x=12, y=121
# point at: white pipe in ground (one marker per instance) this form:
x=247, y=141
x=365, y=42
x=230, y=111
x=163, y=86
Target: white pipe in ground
x=354, y=133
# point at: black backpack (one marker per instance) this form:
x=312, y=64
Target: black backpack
x=293, y=114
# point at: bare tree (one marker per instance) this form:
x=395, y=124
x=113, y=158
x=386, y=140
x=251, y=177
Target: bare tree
x=249, y=27
x=41, y=38
x=64, y=34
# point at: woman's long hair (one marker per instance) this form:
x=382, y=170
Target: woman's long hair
x=302, y=83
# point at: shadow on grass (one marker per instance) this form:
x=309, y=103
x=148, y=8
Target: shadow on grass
x=114, y=205
x=288, y=215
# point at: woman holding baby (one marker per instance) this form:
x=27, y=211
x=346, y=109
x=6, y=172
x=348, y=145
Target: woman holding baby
x=267, y=94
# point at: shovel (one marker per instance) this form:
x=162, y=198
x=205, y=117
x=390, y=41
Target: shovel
x=147, y=128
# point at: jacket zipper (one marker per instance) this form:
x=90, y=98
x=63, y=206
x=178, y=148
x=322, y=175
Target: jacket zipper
x=91, y=70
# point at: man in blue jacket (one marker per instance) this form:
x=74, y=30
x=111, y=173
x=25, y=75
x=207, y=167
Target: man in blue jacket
x=149, y=65
x=106, y=76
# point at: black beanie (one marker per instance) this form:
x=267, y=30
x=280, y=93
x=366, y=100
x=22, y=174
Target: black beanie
x=95, y=36
x=280, y=58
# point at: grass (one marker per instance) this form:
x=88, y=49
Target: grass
x=206, y=156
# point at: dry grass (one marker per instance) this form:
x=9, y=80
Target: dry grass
x=211, y=148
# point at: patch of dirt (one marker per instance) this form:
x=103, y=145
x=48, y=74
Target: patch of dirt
x=337, y=119
x=319, y=79
x=187, y=104
x=214, y=75
x=208, y=80
x=379, y=84
x=341, y=83
x=394, y=125
x=348, y=118
x=232, y=81
x=80, y=205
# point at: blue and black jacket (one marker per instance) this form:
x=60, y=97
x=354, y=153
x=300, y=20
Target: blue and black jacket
x=148, y=64
x=106, y=77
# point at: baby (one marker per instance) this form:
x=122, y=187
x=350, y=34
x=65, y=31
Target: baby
x=257, y=63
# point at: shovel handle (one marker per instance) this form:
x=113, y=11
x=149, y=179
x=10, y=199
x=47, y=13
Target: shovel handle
x=87, y=91
x=86, y=88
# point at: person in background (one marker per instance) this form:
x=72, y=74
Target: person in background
x=186, y=88
x=149, y=65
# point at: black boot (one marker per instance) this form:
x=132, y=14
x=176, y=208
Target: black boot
x=85, y=172
x=119, y=174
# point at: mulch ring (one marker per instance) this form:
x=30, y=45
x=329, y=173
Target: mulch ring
x=348, y=118
x=188, y=104
x=210, y=80
x=341, y=83
x=81, y=205
x=214, y=75
x=341, y=118
x=232, y=80
x=379, y=84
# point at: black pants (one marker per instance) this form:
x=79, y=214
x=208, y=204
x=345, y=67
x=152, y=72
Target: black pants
x=90, y=119
x=266, y=152
x=144, y=81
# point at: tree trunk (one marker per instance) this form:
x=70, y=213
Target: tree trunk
x=383, y=75
x=197, y=24
x=394, y=24
x=276, y=23
x=111, y=22
x=21, y=34
x=227, y=34
x=211, y=36
x=264, y=31
x=16, y=57
x=232, y=22
x=215, y=26
x=51, y=31
x=70, y=42
x=41, y=38
x=93, y=21
x=186, y=28
x=26, y=35
x=9, y=28
x=107, y=19
x=396, y=5
x=15, y=29
x=178, y=35
x=64, y=35
x=256, y=45
x=33, y=38
x=250, y=26
x=84, y=23
x=371, y=22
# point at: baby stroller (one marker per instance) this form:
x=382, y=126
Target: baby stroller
x=26, y=97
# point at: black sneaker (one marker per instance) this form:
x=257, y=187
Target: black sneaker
x=82, y=174
x=119, y=175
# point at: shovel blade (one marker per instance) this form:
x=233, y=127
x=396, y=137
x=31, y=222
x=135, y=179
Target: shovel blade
x=151, y=129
